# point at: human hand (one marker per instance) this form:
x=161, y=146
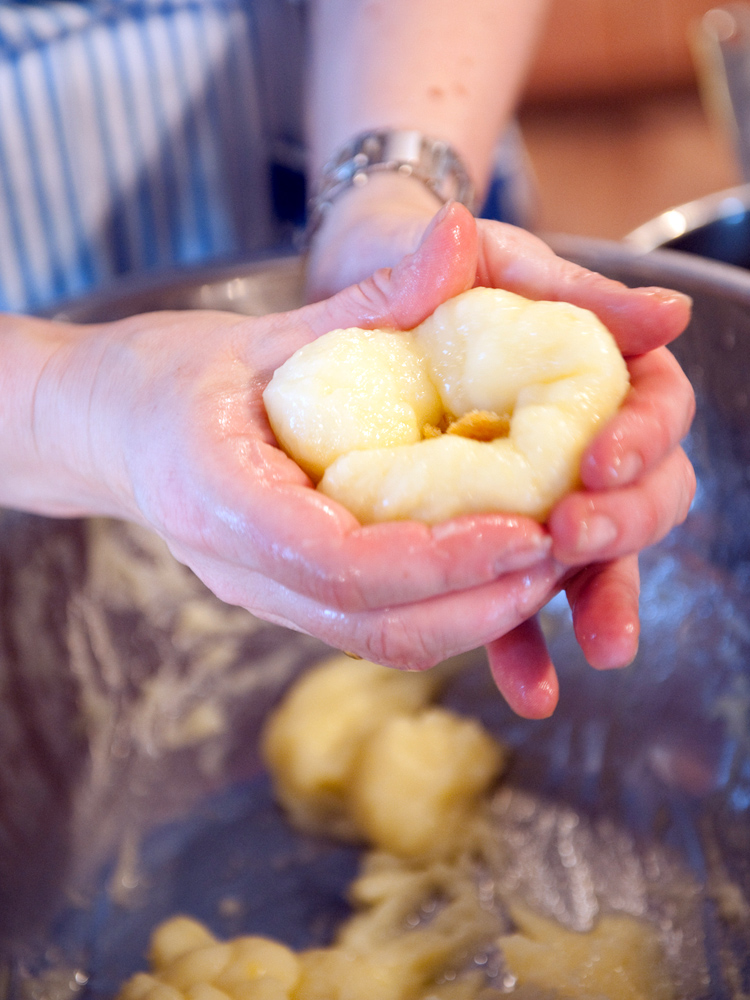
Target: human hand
x=159, y=419
x=638, y=481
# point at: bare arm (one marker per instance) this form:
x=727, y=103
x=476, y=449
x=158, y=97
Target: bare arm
x=451, y=71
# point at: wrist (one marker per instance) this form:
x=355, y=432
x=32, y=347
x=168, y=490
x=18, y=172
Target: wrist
x=368, y=227
x=405, y=152
x=51, y=438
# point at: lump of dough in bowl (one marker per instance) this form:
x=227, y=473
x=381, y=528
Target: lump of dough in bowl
x=314, y=738
x=362, y=418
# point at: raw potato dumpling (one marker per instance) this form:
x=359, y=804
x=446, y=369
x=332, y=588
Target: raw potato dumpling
x=350, y=389
x=176, y=937
x=314, y=738
x=356, y=749
x=419, y=780
x=523, y=387
x=189, y=963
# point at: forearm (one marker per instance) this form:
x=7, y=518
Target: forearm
x=50, y=439
x=452, y=71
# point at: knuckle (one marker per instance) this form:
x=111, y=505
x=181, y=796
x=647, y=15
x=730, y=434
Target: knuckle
x=394, y=643
x=343, y=591
x=371, y=296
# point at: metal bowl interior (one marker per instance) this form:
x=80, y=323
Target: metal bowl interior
x=131, y=703
x=716, y=226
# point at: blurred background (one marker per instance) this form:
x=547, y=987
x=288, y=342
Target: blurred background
x=619, y=120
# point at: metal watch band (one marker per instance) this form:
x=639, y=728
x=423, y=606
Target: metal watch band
x=431, y=161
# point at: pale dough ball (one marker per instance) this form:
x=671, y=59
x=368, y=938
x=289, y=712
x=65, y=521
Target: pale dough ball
x=337, y=974
x=350, y=389
x=418, y=779
x=143, y=986
x=314, y=738
x=176, y=937
x=493, y=350
x=545, y=375
x=202, y=964
x=259, y=960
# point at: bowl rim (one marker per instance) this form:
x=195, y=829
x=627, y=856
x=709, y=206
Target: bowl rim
x=629, y=259
x=689, y=216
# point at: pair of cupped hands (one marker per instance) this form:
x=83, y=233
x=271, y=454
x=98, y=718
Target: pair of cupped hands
x=166, y=427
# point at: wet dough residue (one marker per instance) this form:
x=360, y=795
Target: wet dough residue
x=389, y=768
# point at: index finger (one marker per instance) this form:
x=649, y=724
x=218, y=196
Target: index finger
x=655, y=416
x=640, y=319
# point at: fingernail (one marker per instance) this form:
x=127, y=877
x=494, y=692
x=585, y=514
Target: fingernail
x=436, y=220
x=627, y=467
x=597, y=532
x=679, y=297
x=668, y=295
x=524, y=556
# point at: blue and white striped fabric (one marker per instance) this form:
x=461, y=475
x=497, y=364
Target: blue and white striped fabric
x=134, y=135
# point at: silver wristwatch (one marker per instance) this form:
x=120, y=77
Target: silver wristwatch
x=431, y=161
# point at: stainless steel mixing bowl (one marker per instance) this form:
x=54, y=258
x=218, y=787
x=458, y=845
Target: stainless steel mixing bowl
x=716, y=226
x=131, y=702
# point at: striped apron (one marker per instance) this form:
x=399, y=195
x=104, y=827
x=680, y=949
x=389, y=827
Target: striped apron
x=143, y=134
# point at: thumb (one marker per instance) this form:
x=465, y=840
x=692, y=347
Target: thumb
x=443, y=265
